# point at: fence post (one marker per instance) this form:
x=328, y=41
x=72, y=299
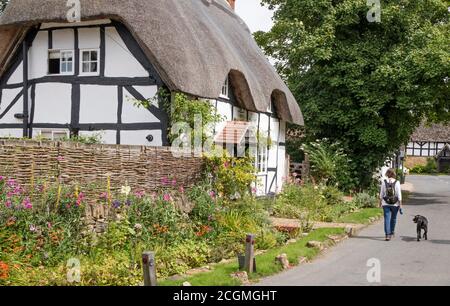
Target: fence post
x=249, y=253
x=149, y=266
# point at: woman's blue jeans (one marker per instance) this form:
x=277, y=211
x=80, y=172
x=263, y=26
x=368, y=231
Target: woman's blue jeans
x=390, y=219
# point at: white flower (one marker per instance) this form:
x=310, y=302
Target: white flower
x=126, y=190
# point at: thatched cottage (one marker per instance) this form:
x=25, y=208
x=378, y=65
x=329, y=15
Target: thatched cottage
x=427, y=141
x=59, y=78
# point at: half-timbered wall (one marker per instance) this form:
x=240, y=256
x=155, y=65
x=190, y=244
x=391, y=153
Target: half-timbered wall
x=425, y=149
x=79, y=103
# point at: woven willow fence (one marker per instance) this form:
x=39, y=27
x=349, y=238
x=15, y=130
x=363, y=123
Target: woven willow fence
x=141, y=167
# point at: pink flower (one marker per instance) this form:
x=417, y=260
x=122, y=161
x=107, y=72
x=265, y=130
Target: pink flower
x=33, y=228
x=174, y=182
x=254, y=190
x=181, y=189
x=139, y=194
x=49, y=225
x=60, y=158
x=104, y=195
x=1, y=178
x=8, y=204
x=167, y=197
x=27, y=203
x=212, y=194
x=226, y=164
x=165, y=181
x=80, y=199
x=11, y=182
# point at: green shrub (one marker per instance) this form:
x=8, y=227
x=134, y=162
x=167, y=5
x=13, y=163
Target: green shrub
x=365, y=200
x=429, y=168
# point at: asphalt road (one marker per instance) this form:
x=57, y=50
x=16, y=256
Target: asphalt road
x=403, y=261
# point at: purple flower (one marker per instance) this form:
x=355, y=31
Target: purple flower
x=11, y=183
x=2, y=178
x=116, y=203
x=27, y=204
x=128, y=203
x=165, y=181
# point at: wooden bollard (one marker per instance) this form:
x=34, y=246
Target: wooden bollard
x=249, y=253
x=149, y=266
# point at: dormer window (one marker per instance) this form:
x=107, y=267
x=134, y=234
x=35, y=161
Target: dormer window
x=225, y=89
x=60, y=62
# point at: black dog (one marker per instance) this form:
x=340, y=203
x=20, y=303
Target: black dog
x=422, y=224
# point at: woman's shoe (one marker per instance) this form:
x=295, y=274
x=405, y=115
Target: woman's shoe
x=388, y=238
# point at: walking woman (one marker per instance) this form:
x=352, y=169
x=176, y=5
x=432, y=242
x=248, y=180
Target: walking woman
x=391, y=202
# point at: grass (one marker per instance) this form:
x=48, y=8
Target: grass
x=361, y=217
x=266, y=265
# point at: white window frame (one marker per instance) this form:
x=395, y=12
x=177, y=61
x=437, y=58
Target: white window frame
x=82, y=62
x=262, y=159
x=53, y=132
x=61, y=51
x=225, y=92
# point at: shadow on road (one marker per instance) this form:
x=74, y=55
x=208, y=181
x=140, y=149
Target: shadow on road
x=414, y=239
x=419, y=199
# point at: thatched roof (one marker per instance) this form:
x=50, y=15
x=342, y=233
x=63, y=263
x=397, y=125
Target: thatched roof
x=193, y=44
x=432, y=133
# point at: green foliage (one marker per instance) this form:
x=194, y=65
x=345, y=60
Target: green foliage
x=365, y=200
x=368, y=85
x=231, y=177
x=329, y=164
x=429, y=168
x=186, y=114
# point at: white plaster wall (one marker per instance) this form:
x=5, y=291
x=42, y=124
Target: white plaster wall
x=282, y=175
x=17, y=75
x=119, y=61
x=38, y=54
x=139, y=138
x=89, y=38
x=134, y=114
x=64, y=39
x=274, y=131
x=98, y=104
x=107, y=137
x=7, y=97
x=53, y=103
x=225, y=110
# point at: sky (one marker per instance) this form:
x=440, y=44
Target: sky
x=258, y=18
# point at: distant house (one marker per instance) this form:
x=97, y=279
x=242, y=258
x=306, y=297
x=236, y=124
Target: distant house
x=427, y=141
x=59, y=79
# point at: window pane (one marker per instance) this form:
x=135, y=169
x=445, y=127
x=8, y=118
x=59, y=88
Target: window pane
x=63, y=67
x=93, y=55
x=69, y=67
x=86, y=67
x=85, y=56
x=93, y=67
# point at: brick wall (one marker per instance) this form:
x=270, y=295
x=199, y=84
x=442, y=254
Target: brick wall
x=142, y=167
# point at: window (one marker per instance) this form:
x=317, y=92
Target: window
x=89, y=62
x=60, y=62
x=225, y=89
x=54, y=135
x=262, y=159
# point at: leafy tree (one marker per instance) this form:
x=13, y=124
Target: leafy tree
x=365, y=84
x=3, y=4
